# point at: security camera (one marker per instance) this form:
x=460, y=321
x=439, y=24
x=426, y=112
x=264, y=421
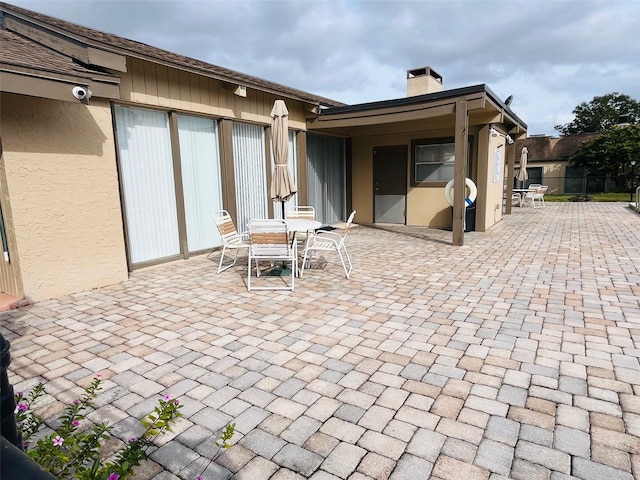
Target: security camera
x=81, y=93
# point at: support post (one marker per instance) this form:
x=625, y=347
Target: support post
x=460, y=171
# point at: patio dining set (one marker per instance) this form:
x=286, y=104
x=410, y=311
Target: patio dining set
x=297, y=240
x=533, y=196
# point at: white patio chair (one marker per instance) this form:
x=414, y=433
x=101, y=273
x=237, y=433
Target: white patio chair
x=269, y=240
x=329, y=242
x=302, y=212
x=230, y=237
x=516, y=197
x=539, y=195
x=528, y=196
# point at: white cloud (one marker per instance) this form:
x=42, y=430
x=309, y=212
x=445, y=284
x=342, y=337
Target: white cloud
x=551, y=55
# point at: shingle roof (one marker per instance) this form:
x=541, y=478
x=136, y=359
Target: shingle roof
x=23, y=53
x=114, y=43
x=553, y=148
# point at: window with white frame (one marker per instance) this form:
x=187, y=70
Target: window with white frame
x=433, y=161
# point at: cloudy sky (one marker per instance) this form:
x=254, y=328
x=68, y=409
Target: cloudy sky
x=550, y=55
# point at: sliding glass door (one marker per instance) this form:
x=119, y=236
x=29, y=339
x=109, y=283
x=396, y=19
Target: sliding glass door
x=250, y=173
x=149, y=188
x=146, y=170
x=326, y=177
x=201, y=180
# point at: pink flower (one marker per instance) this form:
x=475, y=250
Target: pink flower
x=199, y=477
x=76, y=402
x=176, y=401
x=99, y=375
x=76, y=423
x=167, y=398
x=19, y=394
x=21, y=407
x=133, y=439
x=113, y=476
x=57, y=442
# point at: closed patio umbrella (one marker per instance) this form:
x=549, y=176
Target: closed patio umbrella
x=522, y=174
x=282, y=185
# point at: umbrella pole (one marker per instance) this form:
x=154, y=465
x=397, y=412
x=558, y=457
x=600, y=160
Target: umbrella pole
x=284, y=264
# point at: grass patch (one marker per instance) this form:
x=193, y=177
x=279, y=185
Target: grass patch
x=594, y=197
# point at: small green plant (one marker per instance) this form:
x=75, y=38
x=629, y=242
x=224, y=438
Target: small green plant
x=222, y=444
x=72, y=453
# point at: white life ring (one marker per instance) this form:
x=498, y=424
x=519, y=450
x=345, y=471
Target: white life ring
x=473, y=192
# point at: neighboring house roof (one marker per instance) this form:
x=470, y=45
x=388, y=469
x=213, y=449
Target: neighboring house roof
x=115, y=44
x=544, y=148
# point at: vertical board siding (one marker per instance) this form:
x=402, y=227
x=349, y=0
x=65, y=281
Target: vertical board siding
x=201, y=180
x=249, y=172
x=158, y=85
x=148, y=186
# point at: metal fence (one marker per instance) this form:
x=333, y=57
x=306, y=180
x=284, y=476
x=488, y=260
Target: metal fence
x=576, y=185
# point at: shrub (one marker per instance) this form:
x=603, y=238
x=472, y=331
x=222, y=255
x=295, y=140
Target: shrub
x=71, y=453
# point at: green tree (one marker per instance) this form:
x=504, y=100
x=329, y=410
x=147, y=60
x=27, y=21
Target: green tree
x=601, y=113
x=610, y=154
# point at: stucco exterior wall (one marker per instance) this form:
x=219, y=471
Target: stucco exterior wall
x=426, y=206
x=61, y=175
x=490, y=192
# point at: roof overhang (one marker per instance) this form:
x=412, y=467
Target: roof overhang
x=418, y=113
x=52, y=87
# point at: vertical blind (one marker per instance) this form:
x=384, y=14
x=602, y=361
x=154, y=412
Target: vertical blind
x=201, y=180
x=148, y=183
x=326, y=177
x=250, y=173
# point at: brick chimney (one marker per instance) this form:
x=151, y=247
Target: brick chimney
x=423, y=80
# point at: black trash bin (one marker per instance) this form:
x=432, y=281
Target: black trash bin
x=469, y=218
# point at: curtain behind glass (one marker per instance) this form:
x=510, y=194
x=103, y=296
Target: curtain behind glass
x=326, y=177
x=201, y=180
x=146, y=167
x=250, y=173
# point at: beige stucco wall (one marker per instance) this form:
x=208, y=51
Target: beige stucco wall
x=490, y=192
x=61, y=175
x=426, y=206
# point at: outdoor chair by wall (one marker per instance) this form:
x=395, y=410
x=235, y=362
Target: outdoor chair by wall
x=539, y=195
x=535, y=195
x=329, y=242
x=517, y=198
x=527, y=197
x=269, y=240
x=230, y=237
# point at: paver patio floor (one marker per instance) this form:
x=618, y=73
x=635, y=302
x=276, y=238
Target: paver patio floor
x=516, y=356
